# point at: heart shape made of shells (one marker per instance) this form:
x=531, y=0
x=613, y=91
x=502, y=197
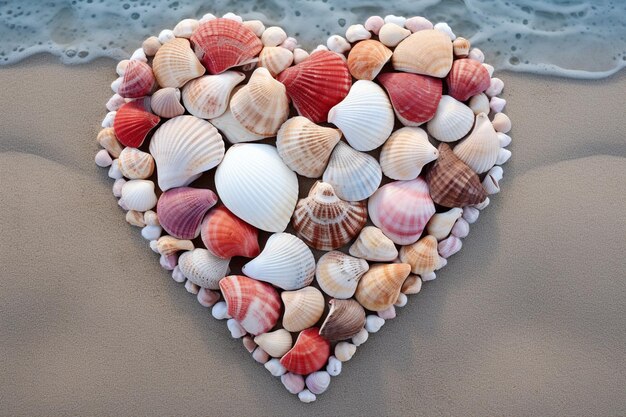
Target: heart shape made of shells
x=303, y=270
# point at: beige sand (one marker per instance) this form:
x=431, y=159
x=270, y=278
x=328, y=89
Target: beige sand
x=528, y=319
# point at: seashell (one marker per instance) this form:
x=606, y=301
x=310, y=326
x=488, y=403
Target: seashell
x=135, y=218
x=166, y=35
x=120, y=68
x=289, y=43
x=261, y=106
x=380, y=286
x=354, y=175
x=427, y=52
x=109, y=119
x=138, y=195
x=276, y=59
x=391, y=34
x=184, y=147
x=495, y=88
x=150, y=218
x=318, y=382
x=481, y=148
x=461, y=47
x=501, y=123
x=293, y=383
x=428, y=277
x=497, y=104
x=206, y=17
x=338, y=44
x=412, y=285
x=151, y=233
x=306, y=147
x=103, y=159
x=132, y=124
x=491, y=183
x=151, y=45
x=324, y=221
x=117, y=187
x=255, y=305
x=449, y=246
x=398, y=20
x=299, y=55
x=414, y=97
x=207, y=97
x=135, y=164
x=373, y=245
x=260, y=356
x=441, y=224
x=303, y=308
x=319, y=48
x=286, y=262
x=406, y=152
x=338, y=274
x=503, y=156
x=274, y=367
x=388, y=313
x=207, y=298
x=317, y=84
x=401, y=210
x=114, y=169
x=356, y=33
x=139, y=55
x=360, y=338
x=452, y=183
x=452, y=120
x=365, y=116
x=221, y=44
x=490, y=69
x=373, y=323
x=422, y=256
x=367, y=58
x=275, y=343
x=334, y=366
x=115, y=102
x=226, y=236
x=374, y=23
x=169, y=246
x=344, y=320
x=344, y=351
x=166, y=102
x=479, y=103
x=182, y=209
x=403, y=299
x=248, y=343
x=460, y=228
x=255, y=184
x=137, y=80
x=466, y=79
x=185, y=28
x=175, y=63
x=233, y=16
x=445, y=28
x=236, y=331
x=417, y=23
x=220, y=311
x=477, y=55
x=203, y=268
x=308, y=354
x=233, y=130
x=273, y=36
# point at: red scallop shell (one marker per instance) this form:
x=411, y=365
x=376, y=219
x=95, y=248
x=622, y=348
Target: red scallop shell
x=226, y=235
x=308, y=354
x=138, y=80
x=221, y=44
x=132, y=123
x=317, y=84
x=182, y=209
x=414, y=97
x=467, y=78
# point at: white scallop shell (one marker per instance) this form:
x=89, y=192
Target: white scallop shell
x=203, y=268
x=406, y=152
x=452, y=120
x=276, y=59
x=138, y=195
x=207, y=97
x=338, y=274
x=481, y=148
x=166, y=102
x=233, y=130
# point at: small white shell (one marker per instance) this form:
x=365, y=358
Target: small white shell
x=397, y=20
x=207, y=17
x=139, y=55
x=479, y=103
x=489, y=69
x=388, y=314
x=503, y=156
x=256, y=26
x=374, y=23
x=189, y=286
x=293, y=382
x=344, y=351
x=470, y=214
x=338, y=44
x=452, y=121
x=203, y=268
x=185, y=28
x=207, y=97
x=233, y=16
x=275, y=343
x=289, y=43
x=357, y=33
x=299, y=55
x=501, y=123
x=491, y=183
x=220, y=311
x=139, y=195
x=373, y=323
x=166, y=35
x=477, y=55
x=306, y=396
x=428, y=277
x=135, y=164
x=117, y=187
x=115, y=102
x=260, y=355
x=361, y=337
x=275, y=367
x=273, y=36
x=441, y=224
x=108, y=119
x=236, y=331
x=495, y=87
x=449, y=246
x=417, y=23
x=373, y=245
x=391, y=34
x=497, y=104
x=445, y=28
x=318, y=382
x=166, y=103
x=151, y=232
x=401, y=301
x=103, y=159
x=505, y=140
x=461, y=228
x=480, y=149
x=406, y=152
x=334, y=366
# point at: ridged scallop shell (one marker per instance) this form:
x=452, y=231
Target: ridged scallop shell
x=166, y=102
x=306, y=147
x=276, y=59
x=221, y=44
x=207, y=97
x=414, y=97
x=421, y=255
x=303, y=308
x=345, y=319
x=480, y=149
x=138, y=195
x=367, y=58
x=441, y=224
x=137, y=81
x=427, y=52
x=275, y=343
x=309, y=353
x=406, y=152
x=203, y=268
x=452, y=121
x=365, y=116
x=401, y=210
x=175, y=63
x=256, y=185
x=184, y=147
x=135, y=164
x=354, y=175
x=317, y=84
x=373, y=245
x=225, y=235
x=132, y=124
x=254, y=304
x=380, y=286
x=182, y=209
x=233, y=130
x=324, y=221
x=467, y=78
x=338, y=274
x=286, y=262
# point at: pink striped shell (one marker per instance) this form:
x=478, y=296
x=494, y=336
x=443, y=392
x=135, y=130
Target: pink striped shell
x=467, y=78
x=138, y=80
x=181, y=210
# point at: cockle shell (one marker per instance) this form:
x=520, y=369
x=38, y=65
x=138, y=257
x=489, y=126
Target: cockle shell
x=365, y=116
x=309, y=353
x=452, y=121
x=233, y=130
x=255, y=184
x=460, y=228
x=406, y=152
x=414, y=97
x=318, y=382
x=367, y=58
x=299, y=55
x=226, y=236
x=427, y=52
x=203, y=268
x=221, y=44
x=255, y=305
x=466, y=79
x=137, y=81
x=107, y=139
x=182, y=209
x=276, y=59
x=344, y=320
x=207, y=97
x=354, y=175
x=380, y=286
x=452, y=183
x=135, y=164
x=138, y=195
x=275, y=343
x=303, y=308
x=317, y=84
x=132, y=124
x=373, y=245
x=441, y=224
x=391, y=34
x=166, y=102
x=338, y=274
x=324, y=221
x=286, y=262
x=401, y=210
x=481, y=148
x=306, y=147
x=184, y=147
x=421, y=255
x=175, y=63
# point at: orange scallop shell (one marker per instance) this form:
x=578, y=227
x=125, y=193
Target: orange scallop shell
x=226, y=235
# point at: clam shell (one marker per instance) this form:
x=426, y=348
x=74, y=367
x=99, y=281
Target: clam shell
x=467, y=78
x=412, y=285
x=452, y=121
x=367, y=58
x=293, y=383
x=182, y=209
x=479, y=103
x=308, y=354
x=207, y=97
x=151, y=45
x=203, y=268
x=344, y=351
x=391, y=34
x=226, y=236
x=233, y=130
x=427, y=52
x=166, y=102
x=481, y=148
x=137, y=81
x=414, y=97
x=318, y=382
x=338, y=274
x=275, y=343
x=373, y=245
x=132, y=124
x=135, y=164
x=170, y=246
x=138, y=195
x=108, y=140
x=380, y=286
x=406, y=152
x=421, y=255
x=441, y=224
x=184, y=147
x=303, y=308
x=175, y=63
x=276, y=59
x=345, y=319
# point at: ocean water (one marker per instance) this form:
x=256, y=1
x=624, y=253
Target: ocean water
x=571, y=38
